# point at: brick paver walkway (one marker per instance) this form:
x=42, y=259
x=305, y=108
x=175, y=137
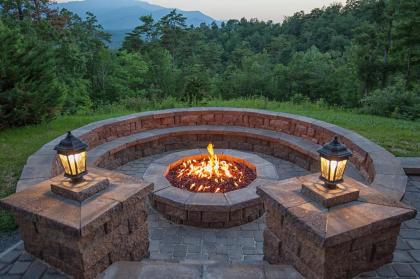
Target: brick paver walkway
x=239, y=244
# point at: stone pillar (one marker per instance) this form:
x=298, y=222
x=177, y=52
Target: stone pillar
x=82, y=230
x=337, y=234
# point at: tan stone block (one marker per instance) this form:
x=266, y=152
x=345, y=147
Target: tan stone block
x=208, y=117
x=212, y=217
x=272, y=248
x=300, y=130
x=190, y=119
x=384, y=249
x=236, y=215
x=93, y=271
x=194, y=216
x=252, y=213
x=274, y=222
x=232, y=118
x=167, y=121
x=175, y=212
x=279, y=125
x=330, y=197
x=255, y=121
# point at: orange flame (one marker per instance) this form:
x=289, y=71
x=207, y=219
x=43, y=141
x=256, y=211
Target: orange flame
x=211, y=169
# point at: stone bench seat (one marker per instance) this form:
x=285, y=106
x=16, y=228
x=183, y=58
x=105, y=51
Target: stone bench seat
x=255, y=140
x=114, y=142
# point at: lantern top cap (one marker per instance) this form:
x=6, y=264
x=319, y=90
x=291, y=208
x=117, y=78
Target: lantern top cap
x=71, y=144
x=335, y=149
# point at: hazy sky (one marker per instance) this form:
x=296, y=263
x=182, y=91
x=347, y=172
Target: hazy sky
x=236, y=9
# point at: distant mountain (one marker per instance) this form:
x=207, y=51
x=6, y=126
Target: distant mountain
x=121, y=16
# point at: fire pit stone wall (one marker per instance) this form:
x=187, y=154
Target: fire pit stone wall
x=212, y=210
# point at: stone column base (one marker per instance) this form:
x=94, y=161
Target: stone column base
x=330, y=242
x=83, y=238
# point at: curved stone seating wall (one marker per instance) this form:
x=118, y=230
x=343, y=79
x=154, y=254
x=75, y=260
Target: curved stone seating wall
x=117, y=153
x=378, y=166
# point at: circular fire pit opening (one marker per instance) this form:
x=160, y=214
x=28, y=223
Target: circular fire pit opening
x=197, y=187
x=211, y=173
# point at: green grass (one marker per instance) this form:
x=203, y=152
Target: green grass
x=400, y=137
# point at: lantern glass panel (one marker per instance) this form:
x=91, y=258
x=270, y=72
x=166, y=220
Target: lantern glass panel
x=341, y=167
x=74, y=164
x=332, y=170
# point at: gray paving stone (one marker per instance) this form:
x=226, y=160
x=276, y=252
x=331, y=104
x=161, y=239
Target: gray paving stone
x=416, y=267
x=253, y=258
x=414, y=244
x=281, y=272
x=26, y=257
x=5, y=270
x=409, y=234
x=10, y=257
x=19, y=268
x=8, y=276
x=180, y=251
x=415, y=254
x=386, y=271
x=404, y=270
x=403, y=244
x=413, y=224
x=368, y=274
x=35, y=271
x=402, y=257
x=233, y=271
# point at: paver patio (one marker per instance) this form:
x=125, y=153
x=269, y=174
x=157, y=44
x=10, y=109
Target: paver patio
x=242, y=244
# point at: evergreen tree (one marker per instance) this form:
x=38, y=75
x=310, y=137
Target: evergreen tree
x=29, y=88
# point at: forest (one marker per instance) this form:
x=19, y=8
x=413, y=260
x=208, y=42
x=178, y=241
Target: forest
x=363, y=56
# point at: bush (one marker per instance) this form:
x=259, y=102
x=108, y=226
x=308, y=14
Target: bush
x=393, y=101
x=298, y=99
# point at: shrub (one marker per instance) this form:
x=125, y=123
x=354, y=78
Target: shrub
x=393, y=101
x=299, y=99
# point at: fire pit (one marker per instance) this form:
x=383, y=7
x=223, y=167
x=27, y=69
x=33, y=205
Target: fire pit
x=211, y=174
x=208, y=188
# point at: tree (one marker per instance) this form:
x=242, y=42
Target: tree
x=309, y=73
x=171, y=28
x=408, y=36
x=30, y=91
x=141, y=35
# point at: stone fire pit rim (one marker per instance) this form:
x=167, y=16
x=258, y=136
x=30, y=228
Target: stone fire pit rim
x=196, y=201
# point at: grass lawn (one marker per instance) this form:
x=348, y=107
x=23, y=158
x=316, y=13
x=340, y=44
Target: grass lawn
x=400, y=137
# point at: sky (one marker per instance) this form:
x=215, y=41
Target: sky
x=235, y=9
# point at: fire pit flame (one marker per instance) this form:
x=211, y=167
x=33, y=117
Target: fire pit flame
x=211, y=174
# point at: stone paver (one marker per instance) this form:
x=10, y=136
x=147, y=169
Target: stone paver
x=241, y=244
x=198, y=270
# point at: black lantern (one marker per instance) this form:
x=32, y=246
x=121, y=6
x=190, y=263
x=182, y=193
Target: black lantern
x=334, y=158
x=73, y=155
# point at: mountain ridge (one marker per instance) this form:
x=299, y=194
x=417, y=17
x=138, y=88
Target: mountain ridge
x=117, y=17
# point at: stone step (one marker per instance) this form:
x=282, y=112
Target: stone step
x=198, y=269
x=411, y=165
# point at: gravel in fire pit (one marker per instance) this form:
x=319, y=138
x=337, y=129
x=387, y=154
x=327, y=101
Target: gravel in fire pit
x=196, y=176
